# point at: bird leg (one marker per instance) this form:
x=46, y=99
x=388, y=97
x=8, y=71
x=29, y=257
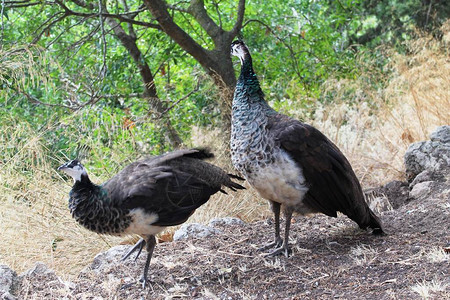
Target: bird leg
x=276, y=207
x=284, y=249
x=139, y=245
x=151, y=242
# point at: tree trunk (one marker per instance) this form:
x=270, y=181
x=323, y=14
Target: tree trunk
x=150, y=92
x=217, y=63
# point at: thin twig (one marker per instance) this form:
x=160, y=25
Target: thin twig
x=291, y=51
x=179, y=100
x=428, y=13
x=218, y=13
x=318, y=278
x=102, y=27
x=2, y=12
x=235, y=254
x=238, y=242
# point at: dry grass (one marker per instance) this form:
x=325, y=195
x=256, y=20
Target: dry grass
x=34, y=219
x=426, y=289
x=436, y=255
x=373, y=131
x=363, y=255
x=376, y=128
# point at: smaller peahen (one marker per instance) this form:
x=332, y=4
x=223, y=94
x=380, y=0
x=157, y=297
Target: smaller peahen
x=290, y=163
x=146, y=196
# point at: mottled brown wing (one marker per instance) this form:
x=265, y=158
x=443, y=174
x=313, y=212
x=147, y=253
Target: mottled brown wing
x=158, y=186
x=333, y=185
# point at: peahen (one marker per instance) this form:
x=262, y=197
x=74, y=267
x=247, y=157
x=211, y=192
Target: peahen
x=289, y=163
x=146, y=196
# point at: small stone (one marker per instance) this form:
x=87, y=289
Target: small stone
x=421, y=189
x=39, y=269
x=426, y=175
x=112, y=255
x=225, y=221
x=194, y=230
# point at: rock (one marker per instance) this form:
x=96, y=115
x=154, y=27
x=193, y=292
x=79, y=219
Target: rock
x=225, y=221
x=194, y=230
x=431, y=155
x=38, y=270
x=426, y=175
x=31, y=284
x=8, y=280
x=108, y=257
x=397, y=193
x=421, y=190
x=441, y=134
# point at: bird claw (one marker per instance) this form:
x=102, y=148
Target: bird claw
x=277, y=243
x=139, y=245
x=285, y=250
x=144, y=281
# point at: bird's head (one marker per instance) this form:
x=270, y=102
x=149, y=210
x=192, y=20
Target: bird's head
x=74, y=169
x=239, y=49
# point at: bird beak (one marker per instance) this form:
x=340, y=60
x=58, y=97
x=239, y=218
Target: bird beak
x=62, y=167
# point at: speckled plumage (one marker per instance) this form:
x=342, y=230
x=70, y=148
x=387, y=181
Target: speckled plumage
x=146, y=196
x=91, y=207
x=289, y=163
x=251, y=146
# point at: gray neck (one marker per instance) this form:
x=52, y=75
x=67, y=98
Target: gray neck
x=249, y=138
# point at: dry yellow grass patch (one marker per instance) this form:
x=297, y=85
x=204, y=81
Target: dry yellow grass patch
x=377, y=127
x=34, y=218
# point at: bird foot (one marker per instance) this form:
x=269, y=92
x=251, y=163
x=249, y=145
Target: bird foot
x=138, y=246
x=277, y=243
x=144, y=281
x=285, y=250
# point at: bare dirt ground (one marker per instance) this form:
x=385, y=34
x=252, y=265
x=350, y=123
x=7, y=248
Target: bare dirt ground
x=331, y=259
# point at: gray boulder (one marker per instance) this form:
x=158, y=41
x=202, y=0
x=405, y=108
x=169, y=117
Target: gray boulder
x=433, y=155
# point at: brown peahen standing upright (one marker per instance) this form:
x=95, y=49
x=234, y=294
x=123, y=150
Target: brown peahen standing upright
x=289, y=163
x=146, y=196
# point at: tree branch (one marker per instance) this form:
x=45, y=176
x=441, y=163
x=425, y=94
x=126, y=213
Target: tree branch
x=19, y=4
x=121, y=17
x=104, y=50
x=131, y=31
x=240, y=19
x=291, y=51
x=216, y=5
x=198, y=11
x=150, y=92
x=39, y=35
x=158, y=8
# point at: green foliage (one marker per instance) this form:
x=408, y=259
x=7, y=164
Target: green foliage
x=297, y=45
x=394, y=21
